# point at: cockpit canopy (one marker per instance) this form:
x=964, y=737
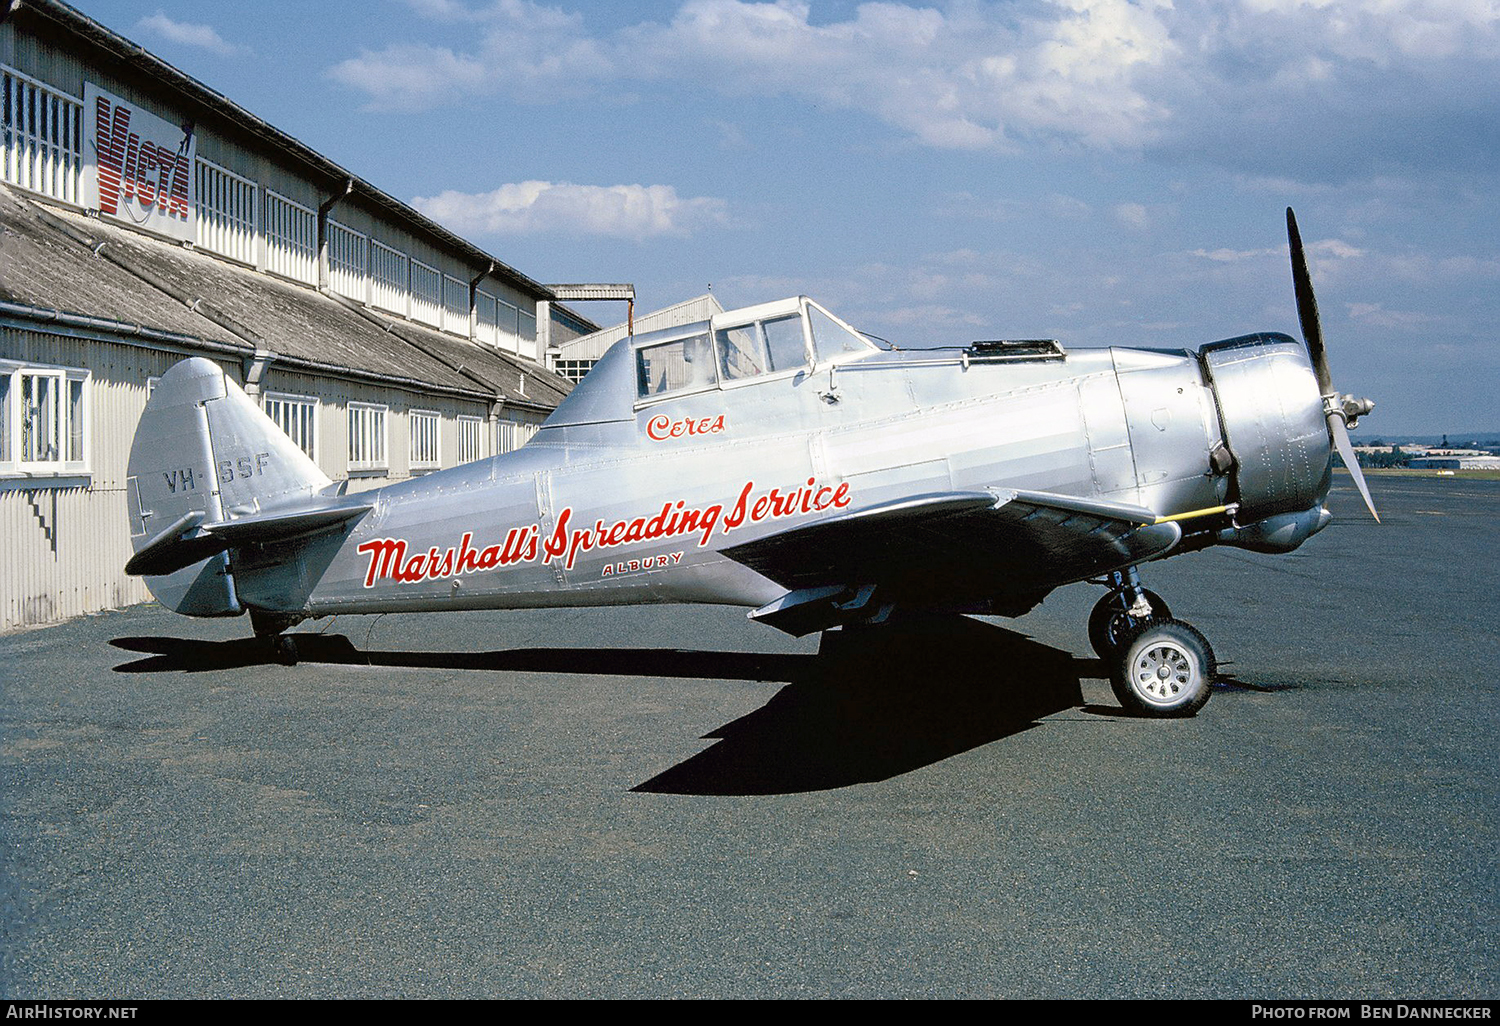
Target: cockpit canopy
x=737, y=346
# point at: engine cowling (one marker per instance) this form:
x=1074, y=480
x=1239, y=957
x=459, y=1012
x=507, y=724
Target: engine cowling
x=1272, y=416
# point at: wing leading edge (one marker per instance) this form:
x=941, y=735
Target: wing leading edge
x=955, y=550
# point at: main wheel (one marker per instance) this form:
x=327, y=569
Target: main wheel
x=1164, y=669
x=1111, y=623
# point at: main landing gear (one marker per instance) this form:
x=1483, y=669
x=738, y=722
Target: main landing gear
x=1158, y=666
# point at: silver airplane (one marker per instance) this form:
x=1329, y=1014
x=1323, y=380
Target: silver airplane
x=774, y=458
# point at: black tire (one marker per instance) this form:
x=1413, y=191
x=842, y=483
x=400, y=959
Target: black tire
x=1165, y=669
x=1111, y=623
x=284, y=649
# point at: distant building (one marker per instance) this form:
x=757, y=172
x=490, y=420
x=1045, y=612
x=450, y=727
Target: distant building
x=576, y=357
x=1475, y=462
x=144, y=218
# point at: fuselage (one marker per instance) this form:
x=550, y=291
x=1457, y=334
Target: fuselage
x=627, y=493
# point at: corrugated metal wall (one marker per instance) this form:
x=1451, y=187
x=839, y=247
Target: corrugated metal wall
x=334, y=397
x=65, y=541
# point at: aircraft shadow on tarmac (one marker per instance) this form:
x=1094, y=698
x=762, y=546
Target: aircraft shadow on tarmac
x=872, y=704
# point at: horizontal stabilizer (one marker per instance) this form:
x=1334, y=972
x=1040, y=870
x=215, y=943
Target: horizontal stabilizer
x=186, y=542
x=269, y=527
x=180, y=544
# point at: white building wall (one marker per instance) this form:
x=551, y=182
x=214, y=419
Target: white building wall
x=66, y=540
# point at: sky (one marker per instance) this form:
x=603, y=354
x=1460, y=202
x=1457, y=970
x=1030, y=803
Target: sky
x=1102, y=172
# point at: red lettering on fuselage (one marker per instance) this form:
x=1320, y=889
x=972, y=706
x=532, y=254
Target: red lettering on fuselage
x=661, y=427
x=389, y=558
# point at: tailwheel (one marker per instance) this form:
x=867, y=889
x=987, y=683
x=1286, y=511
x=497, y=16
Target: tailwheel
x=271, y=627
x=1164, y=669
x=284, y=649
x=1115, y=618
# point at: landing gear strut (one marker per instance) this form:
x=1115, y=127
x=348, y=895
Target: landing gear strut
x=268, y=628
x=1159, y=667
x=1126, y=609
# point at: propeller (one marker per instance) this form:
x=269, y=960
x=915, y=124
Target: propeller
x=1341, y=411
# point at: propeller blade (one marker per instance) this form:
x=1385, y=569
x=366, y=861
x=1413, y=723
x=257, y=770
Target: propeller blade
x=1340, y=434
x=1307, y=306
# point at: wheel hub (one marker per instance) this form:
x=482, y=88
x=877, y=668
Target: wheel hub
x=1162, y=671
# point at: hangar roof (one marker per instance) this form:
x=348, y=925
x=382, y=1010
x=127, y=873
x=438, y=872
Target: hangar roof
x=132, y=60
x=56, y=259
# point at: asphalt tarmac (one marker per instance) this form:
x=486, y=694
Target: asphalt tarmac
x=673, y=802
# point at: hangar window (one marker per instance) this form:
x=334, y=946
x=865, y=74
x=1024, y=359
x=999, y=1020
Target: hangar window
x=424, y=439
x=470, y=439
x=426, y=294
x=226, y=212
x=390, y=272
x=291, y=239
x=346, y=261
x=44, y=427
x=499, y=323
x=514, y=434
x=508, y=324
x=367, y=431
x=297, y=415
x=455, y=306
x=486, y=317
x=574, y=370
x=41, y=147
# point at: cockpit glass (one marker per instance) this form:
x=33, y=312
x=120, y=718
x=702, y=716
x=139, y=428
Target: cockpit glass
x=683, y=363
x=784, y=343
x=741, y=352
x=830, y=338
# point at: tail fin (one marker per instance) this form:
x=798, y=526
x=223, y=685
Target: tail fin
x=205, y=455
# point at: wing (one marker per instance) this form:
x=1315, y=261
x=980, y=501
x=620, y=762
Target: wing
x=951, y=550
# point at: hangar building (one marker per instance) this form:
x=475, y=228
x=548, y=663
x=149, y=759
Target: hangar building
x=144, y=218
x=573, y=358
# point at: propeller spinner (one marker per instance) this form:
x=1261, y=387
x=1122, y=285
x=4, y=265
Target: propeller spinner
x=1340, y=411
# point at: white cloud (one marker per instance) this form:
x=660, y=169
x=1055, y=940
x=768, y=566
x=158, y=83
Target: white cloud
x=1314, y=89
x=1376, y=314
x=618, y=211
x=1334, y=248
x=186, y=34
x=1230, y=256
x=524, y=50
x=931, y=318
x=1132, y=215
x=967, y=77
x=411, y=74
